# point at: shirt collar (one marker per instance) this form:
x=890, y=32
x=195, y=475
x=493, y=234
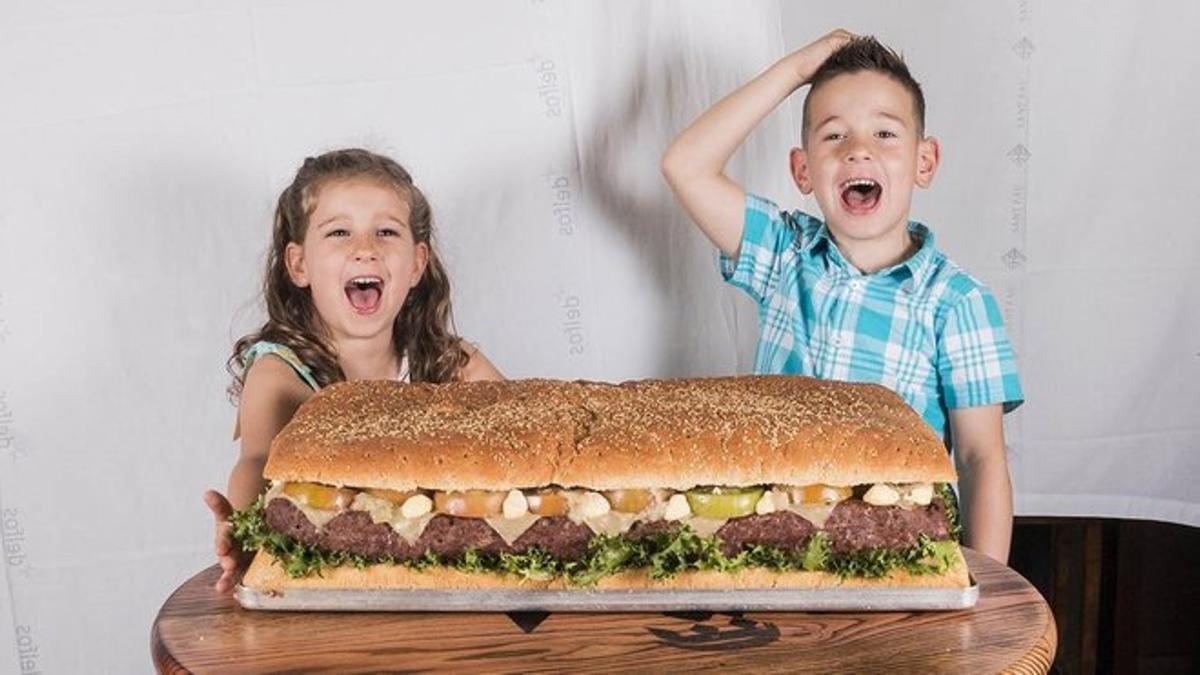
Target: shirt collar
x=916, y=266
x=920, y=263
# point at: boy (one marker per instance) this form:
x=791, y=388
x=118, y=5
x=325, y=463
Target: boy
x=864, y=295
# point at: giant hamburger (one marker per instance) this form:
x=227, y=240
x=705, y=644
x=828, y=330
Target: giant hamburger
x=723, y=483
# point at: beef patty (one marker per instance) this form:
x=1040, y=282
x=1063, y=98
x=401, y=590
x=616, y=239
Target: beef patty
x=446, y=536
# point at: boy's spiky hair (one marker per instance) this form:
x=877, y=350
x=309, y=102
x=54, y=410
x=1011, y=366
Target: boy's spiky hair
x=860, y=54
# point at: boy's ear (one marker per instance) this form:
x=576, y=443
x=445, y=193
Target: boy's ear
x=929, y=154
x=420, y=261
x=293, y=259
x=799, y=161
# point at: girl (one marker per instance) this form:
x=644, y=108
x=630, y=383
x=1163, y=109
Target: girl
x=354, y=291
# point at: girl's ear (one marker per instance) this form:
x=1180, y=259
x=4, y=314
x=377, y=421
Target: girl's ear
x=293, y=259
x=420, y=261
x=799, y=161
x=929, y=154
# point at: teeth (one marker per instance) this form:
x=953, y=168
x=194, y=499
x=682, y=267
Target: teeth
x=365, y=281
x=853, y=182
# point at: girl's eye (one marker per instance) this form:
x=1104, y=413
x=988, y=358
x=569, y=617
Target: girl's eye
x=339, y=232
x=388, y=232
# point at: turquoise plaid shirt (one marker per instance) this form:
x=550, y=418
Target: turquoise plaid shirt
x=923, y=328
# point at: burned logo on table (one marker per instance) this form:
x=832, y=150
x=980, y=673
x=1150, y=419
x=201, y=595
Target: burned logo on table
x=703, y=635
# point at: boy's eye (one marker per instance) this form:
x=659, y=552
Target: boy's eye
x=834, y=137
x=887, y=134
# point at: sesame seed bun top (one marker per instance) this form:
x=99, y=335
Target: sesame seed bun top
x=676, y=434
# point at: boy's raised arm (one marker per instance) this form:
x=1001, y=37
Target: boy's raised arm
x=694, y=164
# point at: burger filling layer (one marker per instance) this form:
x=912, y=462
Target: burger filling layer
x=861, y=530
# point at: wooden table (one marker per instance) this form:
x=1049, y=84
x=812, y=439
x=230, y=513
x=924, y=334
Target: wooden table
x=1010, y=629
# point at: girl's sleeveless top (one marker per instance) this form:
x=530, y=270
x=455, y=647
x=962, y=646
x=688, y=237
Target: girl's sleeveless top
x=258, y=349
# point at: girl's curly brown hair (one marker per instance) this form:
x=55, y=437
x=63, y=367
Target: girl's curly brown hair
x=423, y=330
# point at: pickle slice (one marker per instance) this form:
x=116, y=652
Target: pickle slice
x=723, y=502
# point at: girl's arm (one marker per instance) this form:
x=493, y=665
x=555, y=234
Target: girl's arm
x=479, y=367
x=270, y=396
x=983, y=479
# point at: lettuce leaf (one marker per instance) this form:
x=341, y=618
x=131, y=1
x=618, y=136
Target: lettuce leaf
x=950, y=499
x=816, y=557
x=927, y=557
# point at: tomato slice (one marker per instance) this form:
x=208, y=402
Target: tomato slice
x=821, y=494
x=397, y=497
x=723, y=502
x=629, y=501
x=469, y=503
x=548, y=503
x=320, y=496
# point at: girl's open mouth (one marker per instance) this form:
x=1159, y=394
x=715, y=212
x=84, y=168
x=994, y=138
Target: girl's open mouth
x=860, y=196
x=365, y=293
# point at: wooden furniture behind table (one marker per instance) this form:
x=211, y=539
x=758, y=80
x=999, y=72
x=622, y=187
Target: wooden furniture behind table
x=1125, y=593
x=1010, y=629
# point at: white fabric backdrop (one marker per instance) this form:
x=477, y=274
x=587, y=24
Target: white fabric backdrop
x=143, y=144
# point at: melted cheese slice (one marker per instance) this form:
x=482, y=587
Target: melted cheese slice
x=706, y=527
x=380, y=510
x=410, y=529
x=385, y=511
x=613, y=522
x=816, y=514
x=510, y=529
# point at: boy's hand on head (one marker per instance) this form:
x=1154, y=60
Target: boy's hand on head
x=229, y=555
x=694, y=164
x=809, y=58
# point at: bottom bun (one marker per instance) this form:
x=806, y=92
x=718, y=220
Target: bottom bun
x=265, y=574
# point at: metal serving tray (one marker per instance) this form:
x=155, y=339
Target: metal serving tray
x=584, y=600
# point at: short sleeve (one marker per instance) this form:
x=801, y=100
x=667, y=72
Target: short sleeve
x=975, y=360
x=766, y=235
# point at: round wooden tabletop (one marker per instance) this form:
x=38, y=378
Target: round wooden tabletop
x=1011, y=629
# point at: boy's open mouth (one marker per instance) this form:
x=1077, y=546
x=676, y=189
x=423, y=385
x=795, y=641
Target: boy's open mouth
x=364, y=293
x=860, y=196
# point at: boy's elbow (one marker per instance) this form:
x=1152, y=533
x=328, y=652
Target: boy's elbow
x=677, y=174
x=982, y=460
x=675, y=163
x=669, y=165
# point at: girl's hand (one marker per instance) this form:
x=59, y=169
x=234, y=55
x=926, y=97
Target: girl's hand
x=810, y=57
x=232, y=559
